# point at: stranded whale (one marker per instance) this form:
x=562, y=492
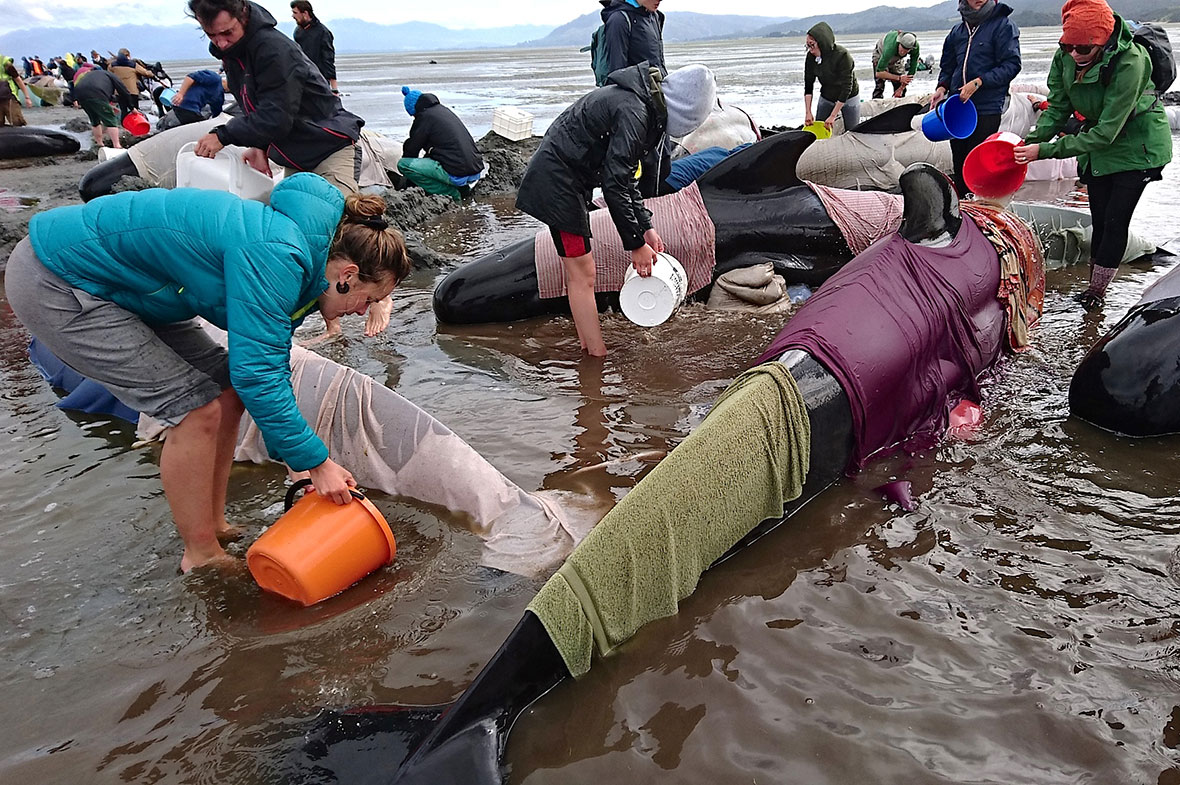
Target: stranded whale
x=1129, y=382
x=875, y=357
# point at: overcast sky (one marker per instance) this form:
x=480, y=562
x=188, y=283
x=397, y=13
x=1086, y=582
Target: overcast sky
x=450, y=13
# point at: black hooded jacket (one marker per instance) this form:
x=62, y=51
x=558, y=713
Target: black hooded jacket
x=289, y=109
x=598, y=140
x=439, y=132
x=317, y=43
x=633, y=35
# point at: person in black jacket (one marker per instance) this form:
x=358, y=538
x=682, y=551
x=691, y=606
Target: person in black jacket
x=452, y=162
x=291, y=116
x=315, y=40
x=599, y=141
x=634, y=33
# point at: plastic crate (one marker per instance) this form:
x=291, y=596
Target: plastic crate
x=511, y=123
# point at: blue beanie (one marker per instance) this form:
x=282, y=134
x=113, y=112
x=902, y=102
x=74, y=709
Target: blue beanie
x=412, y=97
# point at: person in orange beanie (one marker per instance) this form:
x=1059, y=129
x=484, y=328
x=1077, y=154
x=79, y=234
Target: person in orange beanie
x=1100, y=72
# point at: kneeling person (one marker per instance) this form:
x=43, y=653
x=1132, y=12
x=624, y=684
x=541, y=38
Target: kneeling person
x=452, y=161
x=599, y=141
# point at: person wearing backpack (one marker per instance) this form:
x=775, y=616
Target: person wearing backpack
x=632, y=33
x=1105, y=75
x=599, y=140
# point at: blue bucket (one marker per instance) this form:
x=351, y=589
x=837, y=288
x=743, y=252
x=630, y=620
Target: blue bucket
x=166, y=96
x=951, y=119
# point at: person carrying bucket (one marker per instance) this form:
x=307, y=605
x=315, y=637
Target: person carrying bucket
x=980, y=58
x=599, y=140
x=890, y=55
x=833, y=66
x=1125, y=140
x=94, y=91
x=90, y=282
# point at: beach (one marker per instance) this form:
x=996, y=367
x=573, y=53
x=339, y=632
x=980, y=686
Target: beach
x=1017, y=626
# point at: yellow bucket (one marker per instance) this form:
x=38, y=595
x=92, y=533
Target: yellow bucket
x=818, y=129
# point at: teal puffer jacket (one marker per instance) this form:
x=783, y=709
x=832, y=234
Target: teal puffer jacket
x=253, y=270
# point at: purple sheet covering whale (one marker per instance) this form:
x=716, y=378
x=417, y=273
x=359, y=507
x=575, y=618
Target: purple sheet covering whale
x=906, y=329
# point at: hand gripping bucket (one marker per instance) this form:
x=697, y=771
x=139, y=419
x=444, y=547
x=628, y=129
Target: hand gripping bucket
x=991, y=171
x=951, y=119
x=818, y=130
x=137, y=123
x=319, y=548
x=650, y=301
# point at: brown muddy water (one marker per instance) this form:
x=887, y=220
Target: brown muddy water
x=1019, y=626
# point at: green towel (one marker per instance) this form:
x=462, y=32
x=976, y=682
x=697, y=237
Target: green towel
x=746, y=460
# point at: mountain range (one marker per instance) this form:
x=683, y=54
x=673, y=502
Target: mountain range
x=184, y=42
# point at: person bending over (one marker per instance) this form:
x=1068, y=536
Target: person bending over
x=452, y=161
x=1125, y=141
x=90, y=283
x=199, y=90
x=889, y=54
x=94, y=90
x=291, y=117
x=599, y=140
x=832, y=65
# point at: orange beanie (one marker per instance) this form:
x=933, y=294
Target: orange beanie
x=1086, y=22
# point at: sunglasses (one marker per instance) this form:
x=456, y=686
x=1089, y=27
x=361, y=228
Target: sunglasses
x=1082, y=49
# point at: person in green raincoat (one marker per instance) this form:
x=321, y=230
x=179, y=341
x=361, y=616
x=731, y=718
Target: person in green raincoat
x=1125, y=141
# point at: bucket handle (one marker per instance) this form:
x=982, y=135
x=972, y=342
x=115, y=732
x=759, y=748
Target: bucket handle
x=299, y=485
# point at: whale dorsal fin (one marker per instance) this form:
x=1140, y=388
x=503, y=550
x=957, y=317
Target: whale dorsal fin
x=763, y=167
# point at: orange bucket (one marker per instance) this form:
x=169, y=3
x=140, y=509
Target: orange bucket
x=319, y=548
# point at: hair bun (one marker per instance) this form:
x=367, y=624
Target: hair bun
x=364, y=206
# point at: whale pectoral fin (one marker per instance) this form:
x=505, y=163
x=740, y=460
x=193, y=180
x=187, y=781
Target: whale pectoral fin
x=931, y=208
x=763, y=167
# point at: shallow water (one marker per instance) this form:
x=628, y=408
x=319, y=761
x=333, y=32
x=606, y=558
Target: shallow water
x=1018, y=626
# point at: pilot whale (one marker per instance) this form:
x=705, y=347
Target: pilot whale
x=870, y=378
x=1129, y=382
x=760, y=209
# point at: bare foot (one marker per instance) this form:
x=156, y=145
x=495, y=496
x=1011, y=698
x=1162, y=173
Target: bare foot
x=227, y=534
x=378, y=318
x=192, y=560
x=326, y=337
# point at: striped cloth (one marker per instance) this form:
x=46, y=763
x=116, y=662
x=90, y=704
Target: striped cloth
x=1022, y=267
x=863, y=217
x=682, y=223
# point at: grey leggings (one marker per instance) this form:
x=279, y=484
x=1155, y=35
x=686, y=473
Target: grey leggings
x=850, y=111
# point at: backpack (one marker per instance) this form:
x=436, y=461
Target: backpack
x=1154, y=39
x=599, y=60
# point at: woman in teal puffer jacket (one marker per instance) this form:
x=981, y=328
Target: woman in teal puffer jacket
x=113, y=288
x=1125, y=140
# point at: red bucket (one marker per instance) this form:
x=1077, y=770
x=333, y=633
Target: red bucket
x=137, y=123
x=991, y=171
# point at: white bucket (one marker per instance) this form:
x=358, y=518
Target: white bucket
x=650, y=301
x=108, y=153
x=226, y=172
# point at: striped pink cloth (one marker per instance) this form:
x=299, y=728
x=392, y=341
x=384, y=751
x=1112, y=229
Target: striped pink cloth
x=863, y=217
x=682, y=222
